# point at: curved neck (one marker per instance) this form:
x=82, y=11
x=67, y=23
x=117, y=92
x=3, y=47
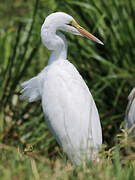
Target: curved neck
x=54, y=41
x=58, y=54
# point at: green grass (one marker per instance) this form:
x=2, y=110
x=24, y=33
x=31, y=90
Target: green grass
x=28, y=152
x=115, y=163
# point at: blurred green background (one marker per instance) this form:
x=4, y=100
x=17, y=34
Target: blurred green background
x=108, y=70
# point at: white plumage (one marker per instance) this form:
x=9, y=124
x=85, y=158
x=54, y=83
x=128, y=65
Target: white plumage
x=69, y=108
x=130, y=112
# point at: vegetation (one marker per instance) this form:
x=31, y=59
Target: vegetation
x=27, y=148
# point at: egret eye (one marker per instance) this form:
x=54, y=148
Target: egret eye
x=71, y=23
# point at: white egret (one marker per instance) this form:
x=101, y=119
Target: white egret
x=130, y=113
x=69, y=109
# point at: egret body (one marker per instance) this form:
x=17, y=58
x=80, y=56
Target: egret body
x=69, y=109
x=130, y=113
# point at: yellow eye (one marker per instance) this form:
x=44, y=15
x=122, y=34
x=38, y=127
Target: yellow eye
x=70, y=23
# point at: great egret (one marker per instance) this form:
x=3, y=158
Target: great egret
x=69, y=109
x=130, y=113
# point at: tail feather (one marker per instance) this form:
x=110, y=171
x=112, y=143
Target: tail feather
x=31, y=90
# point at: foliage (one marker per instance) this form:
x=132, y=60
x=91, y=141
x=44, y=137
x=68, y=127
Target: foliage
x=114, y=163
x=108, y=71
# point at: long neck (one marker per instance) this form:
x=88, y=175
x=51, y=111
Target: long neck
x=59, y=53
x=56, y=42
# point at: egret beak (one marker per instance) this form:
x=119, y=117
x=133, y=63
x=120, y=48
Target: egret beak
x=85, y=33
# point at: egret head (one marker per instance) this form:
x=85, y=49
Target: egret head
x=65, y=22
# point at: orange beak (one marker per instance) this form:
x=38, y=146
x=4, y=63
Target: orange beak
x=85, y=33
